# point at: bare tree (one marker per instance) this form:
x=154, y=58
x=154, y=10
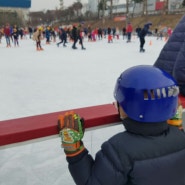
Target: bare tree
x=61, y=4
x=127, y=7
x=111, y=6
x=77, y=7
x=145, y=10
x=166, y=6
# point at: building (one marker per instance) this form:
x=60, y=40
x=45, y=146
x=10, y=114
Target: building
x=13, y=9
x=119, y=6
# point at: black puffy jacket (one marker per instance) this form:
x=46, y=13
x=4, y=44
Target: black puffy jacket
x=172, y=56
x=145, y=154
x=145, y=30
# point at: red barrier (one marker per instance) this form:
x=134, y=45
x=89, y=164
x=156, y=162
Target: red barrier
x=33, y=127
x=182, y=100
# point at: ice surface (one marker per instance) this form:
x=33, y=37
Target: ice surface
x=58, y=79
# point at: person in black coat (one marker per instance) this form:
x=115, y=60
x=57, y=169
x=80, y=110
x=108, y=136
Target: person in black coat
x=80, y=36
x=74, y=36
x=171, y=58
x=148, y=152
x=142, y=35
x=63, y=37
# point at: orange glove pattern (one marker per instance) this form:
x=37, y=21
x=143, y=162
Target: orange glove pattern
x=71, y=131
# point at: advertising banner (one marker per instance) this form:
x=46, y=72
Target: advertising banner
x=15, y=3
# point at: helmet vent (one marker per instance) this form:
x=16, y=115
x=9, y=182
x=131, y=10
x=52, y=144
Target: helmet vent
x=164, y=92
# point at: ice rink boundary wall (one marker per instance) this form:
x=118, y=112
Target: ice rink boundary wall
x=33, y=127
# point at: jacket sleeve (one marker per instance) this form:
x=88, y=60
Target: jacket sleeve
x=171, y=58
x=106, y=169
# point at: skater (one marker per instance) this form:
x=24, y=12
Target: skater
x=63, y=37
x=124, y=32
x=149, y=151
x=100, y=34
x=138, y=30
x=15, y=36
x=30, y=31
x=37, y=37
x=142, y=35
x=80, y=36
x=129, y=30
x=172, y=59
x=109, y=33
x=74, y=36
x=48, y=34
x=1, y=34
x=7, y=34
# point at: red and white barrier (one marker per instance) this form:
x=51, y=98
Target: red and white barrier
x=33, y=127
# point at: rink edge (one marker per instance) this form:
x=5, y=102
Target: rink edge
x=33, y=127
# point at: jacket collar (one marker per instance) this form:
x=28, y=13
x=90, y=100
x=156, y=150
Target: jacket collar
x=145, y=129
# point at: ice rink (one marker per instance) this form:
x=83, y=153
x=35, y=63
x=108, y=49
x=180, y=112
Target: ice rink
x=37, y=82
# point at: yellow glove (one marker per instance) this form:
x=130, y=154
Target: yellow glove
x=177, y=119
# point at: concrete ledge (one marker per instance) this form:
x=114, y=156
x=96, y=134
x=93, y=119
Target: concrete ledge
x=33, y=127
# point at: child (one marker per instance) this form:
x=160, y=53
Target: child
x=149, y=151
x=37, y=37
x=15, y=36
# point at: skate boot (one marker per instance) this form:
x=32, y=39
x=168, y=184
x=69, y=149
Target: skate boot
x=142, y=50
x=74, y=47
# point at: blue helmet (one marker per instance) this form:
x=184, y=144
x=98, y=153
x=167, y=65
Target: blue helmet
x=147, y=94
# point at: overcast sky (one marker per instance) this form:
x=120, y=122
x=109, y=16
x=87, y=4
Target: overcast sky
x=38, y=5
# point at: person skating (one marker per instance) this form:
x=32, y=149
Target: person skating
x=63, y=37
x=48, y=34
x=129, y=30
x=144, y=31
x=74, y=36
x=15, y=36
x=148, y=152
x=37, y=37
x=7, y=34
x=80, y=36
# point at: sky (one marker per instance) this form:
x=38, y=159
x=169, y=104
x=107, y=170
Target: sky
x=58, y=79
x=39, y=5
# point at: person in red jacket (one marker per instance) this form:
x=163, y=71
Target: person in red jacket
x=129, y=30
x=7, y=34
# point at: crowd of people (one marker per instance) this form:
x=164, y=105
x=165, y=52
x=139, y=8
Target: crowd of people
x=150, y=149
x=76, y=32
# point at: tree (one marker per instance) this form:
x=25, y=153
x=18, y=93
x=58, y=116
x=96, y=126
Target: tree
x=166, y=6
x=183, y=3
x=102, y=6
x=77, y=7
x=110, y=7
x=135, y=2
x=61, y=4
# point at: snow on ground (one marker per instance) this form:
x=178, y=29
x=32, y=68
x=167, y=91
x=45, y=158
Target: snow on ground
x=58, y=79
